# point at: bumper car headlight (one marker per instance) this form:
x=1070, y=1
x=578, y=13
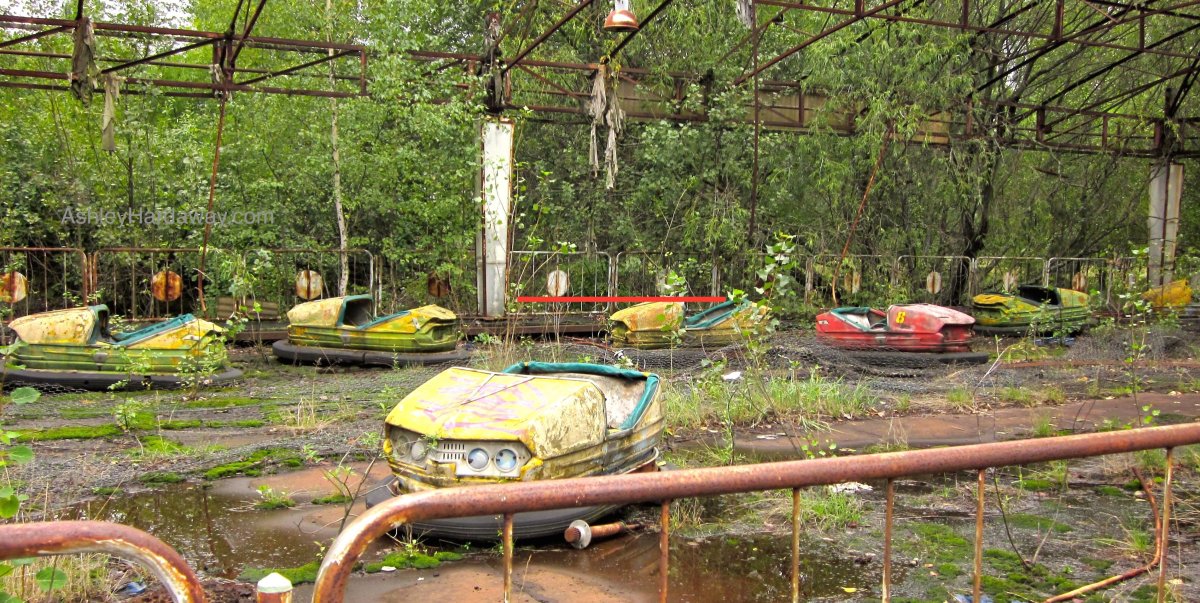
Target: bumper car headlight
x=506, y=460
x=478, y=459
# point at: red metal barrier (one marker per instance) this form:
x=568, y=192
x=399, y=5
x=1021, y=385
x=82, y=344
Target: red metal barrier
x=66, y=537
x=507, y=499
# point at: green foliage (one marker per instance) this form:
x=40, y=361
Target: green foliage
x=273, y=499
x=297, y=575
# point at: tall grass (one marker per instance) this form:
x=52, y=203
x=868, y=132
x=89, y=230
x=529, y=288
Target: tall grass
x=808, y=402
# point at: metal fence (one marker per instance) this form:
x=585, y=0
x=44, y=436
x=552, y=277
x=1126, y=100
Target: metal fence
x=40, y=279
x=154, y=283
x=142, y=283
x=662, y=488
x=558, y=273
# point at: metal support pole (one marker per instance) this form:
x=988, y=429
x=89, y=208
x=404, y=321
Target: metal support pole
x=887, y=541
x=508, y=556
x=977, y=587
x=1164, y=538
x=664, y=551
x=795, y=545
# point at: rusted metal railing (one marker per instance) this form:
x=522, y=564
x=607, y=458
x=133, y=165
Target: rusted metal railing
x=665, y=487
x=68, y=537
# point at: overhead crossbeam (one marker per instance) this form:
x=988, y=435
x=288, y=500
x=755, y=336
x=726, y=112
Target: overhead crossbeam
x=861, y=12
x=190, y=40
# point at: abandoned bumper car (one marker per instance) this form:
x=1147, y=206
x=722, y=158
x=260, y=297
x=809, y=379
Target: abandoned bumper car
x=656, y=325
x=1033, y=310
x=908, y=333
x=74, y=348
x=344, y=330
x=534, y=421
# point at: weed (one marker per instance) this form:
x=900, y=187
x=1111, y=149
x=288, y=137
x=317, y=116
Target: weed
x=272, y=499
x=332, y=499
x=1043, y=426
x=412, y=557
x=1018, y=396
x=61, y=578
x=160, y=477
x=297, y=575
x=961, y=399
x=70, y=432
x=252, y=464
x=1053, y=395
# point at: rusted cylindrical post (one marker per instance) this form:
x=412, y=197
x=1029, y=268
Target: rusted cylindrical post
x=977, y=588
x=508, y=555
x=795, y=545
x=664, y=551
x=1164, y=538
x=887, y=541
x=274, y=588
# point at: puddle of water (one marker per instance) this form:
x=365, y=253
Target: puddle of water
x=218, y=535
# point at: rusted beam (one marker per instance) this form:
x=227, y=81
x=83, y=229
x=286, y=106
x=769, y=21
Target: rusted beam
x=549, y=32
x=1074, y=38
x=161, y=55
x=205, y=66
x=67, y=537
x=33, y=36
x=645, y=23
x=1117, y=63
x=291, y=70
x=823, y=34
x=496, y=499
x=237, y=50
x=187, y=34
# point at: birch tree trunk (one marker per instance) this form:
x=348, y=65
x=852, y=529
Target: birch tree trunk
x=343, y=238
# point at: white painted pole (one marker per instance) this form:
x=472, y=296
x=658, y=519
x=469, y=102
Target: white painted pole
x=1166, y=188
x=494, y=186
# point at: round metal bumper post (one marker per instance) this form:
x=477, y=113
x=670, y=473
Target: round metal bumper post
x=274, y=588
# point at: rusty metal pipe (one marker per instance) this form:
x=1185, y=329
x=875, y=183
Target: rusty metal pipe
x=580, y=534
x=67, y=537
x=656, y=487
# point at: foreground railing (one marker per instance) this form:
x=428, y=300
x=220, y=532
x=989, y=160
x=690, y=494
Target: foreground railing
x=508, y=499
x=56, y=538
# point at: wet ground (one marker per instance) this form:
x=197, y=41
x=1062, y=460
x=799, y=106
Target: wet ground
x=1073, y=523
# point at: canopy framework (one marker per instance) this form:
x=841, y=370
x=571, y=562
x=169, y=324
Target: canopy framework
x=181, y=78
x=1067, y=75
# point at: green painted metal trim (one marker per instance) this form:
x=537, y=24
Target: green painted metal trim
x=712, y=316
x=97, y=311
x=550, y=368
x=132, y=337
x=382, y=319
x=346, y=300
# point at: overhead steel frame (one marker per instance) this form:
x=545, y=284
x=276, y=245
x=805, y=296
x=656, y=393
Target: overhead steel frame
x=1055, y=123
x=227, y=47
